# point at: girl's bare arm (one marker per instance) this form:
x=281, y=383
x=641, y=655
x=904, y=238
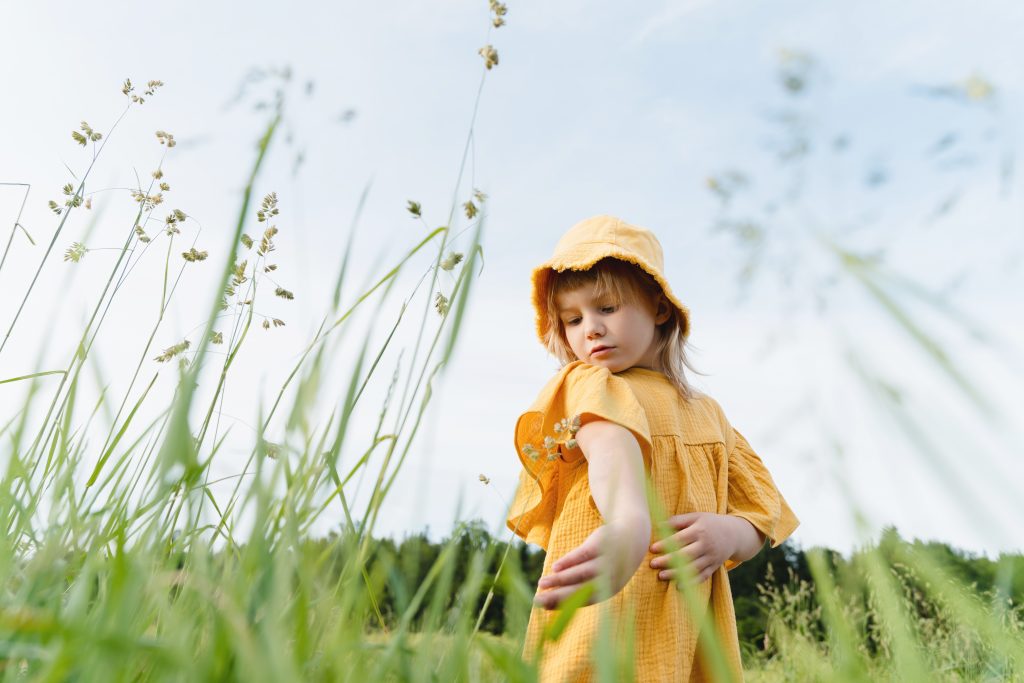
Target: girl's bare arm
x=616, y=472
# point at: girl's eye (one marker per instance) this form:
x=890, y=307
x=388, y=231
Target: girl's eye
x=608, y=309
x=573, y=321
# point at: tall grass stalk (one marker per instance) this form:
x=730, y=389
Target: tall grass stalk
x=126, y=558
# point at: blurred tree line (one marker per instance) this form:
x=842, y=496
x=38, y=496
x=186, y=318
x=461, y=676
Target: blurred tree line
x=400, y=567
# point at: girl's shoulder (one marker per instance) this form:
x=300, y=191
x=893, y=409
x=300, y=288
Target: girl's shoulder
x=706, y=421
x=579, y=389
x=578, y=385
x=697, y=419
x=576, y=377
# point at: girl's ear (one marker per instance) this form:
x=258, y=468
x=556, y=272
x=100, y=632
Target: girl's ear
x=664, y=311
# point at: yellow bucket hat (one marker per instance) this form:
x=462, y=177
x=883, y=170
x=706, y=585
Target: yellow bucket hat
x=596, y=238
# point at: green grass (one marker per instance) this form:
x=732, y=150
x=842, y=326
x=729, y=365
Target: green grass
x=123, y=560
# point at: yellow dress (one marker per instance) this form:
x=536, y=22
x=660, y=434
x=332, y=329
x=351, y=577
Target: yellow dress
x=695, y=461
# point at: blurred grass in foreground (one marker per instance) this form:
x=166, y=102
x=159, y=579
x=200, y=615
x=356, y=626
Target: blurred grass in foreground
x=122, y=563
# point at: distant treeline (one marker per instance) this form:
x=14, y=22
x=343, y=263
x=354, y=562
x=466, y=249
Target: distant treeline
x=401, y=567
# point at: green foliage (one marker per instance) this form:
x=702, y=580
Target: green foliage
x=123, y=561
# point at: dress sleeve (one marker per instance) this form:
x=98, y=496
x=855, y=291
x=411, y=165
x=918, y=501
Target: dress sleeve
x=754, y=496
x=590, y=392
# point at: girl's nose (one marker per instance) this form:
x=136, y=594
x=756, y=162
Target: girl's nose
x=594, y=329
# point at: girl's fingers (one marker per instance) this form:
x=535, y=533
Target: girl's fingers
x=584, y=552
x=571, y=576
x=678, y=539
x=690, y=553
x=553, y=598
x=664, y=562
x=702, y=575
x=683, y=521
x=701, y=569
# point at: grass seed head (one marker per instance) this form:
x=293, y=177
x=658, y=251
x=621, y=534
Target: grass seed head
x=172, y=351
x=470, y=209
x=414, y=208
x=574, y=425
x=976, y=88
x=165, y=138
x=90, y=133
x=217, y=338
x=490, y=56
x=500, y=10
x=192, y=255
x=147, y=201
x=75, y=252
x=441, y=303
x=451, y=260
x=238, y=277
x=266, y=242
x=284, y=293
x=268, y=208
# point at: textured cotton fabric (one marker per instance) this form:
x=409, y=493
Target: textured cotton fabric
x=695, y=461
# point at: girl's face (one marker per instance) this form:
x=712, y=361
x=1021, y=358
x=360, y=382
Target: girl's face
x=613, y=334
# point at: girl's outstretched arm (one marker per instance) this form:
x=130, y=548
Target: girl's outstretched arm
x=616, y=473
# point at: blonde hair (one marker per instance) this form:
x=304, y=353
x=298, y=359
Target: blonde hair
x=626, y=283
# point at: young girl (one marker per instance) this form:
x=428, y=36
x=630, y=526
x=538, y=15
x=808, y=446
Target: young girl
x=617, y=440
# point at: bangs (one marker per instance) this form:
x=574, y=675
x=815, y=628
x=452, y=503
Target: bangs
x=622, y=282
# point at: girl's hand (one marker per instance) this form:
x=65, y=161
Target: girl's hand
x=617, y=548
x=704, y=540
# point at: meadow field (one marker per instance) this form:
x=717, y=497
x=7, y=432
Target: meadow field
x=130, y=556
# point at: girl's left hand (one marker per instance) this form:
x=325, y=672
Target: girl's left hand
x=704, y=539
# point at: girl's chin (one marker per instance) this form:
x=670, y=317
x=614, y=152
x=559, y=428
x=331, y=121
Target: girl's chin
x=612, y=367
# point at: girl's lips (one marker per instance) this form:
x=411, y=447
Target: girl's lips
x=605, y=349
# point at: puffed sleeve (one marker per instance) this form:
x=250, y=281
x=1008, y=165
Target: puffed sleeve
x=578, y=390
x=752, y=494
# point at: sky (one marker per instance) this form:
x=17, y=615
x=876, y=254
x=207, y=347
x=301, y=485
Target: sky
x=594, y=107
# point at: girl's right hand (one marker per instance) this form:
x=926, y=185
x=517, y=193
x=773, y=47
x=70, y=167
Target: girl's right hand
x=617, y=548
